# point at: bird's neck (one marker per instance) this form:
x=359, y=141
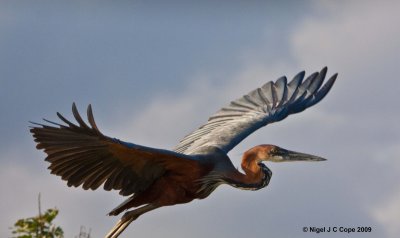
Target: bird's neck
x=251, y=167
x=256, y=176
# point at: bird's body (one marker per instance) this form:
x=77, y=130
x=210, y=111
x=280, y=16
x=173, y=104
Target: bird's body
x=199, y=180
x=154, y=178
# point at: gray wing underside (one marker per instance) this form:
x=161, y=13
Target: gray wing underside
x=272, y=102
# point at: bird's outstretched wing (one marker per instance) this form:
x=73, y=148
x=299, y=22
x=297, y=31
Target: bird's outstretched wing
x=82, y=155
x=270, y=103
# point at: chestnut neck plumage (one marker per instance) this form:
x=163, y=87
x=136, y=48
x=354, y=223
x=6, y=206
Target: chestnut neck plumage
x=256, y=176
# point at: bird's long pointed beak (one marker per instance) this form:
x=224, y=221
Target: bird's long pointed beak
x=289, y=156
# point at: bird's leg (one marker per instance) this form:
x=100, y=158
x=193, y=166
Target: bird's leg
x=127, y=218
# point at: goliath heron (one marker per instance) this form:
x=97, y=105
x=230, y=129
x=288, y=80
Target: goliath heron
x=153, y=178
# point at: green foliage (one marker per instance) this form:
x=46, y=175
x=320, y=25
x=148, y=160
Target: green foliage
x=40, y=226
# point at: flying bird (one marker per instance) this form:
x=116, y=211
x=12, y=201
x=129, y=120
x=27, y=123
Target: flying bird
x=152, y=178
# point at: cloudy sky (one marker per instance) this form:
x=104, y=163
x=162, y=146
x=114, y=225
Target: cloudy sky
x=155, y=71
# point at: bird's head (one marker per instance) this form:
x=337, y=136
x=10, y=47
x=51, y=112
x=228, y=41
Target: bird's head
x=274, y=153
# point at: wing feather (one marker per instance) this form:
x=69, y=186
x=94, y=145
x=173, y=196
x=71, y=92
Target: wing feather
x=293, y=86
x=281, y=89
x=269, y=93
x=270, y=103
x=83, y=156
